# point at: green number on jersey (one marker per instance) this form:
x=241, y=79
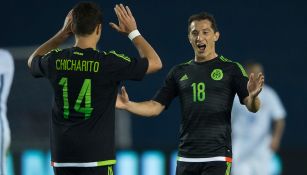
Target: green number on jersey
x=84, y=92
x=199, y=93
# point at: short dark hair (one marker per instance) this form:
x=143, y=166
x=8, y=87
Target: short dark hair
x=203, y=16
x=86, y=16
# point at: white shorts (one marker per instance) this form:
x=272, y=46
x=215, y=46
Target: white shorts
x=256, y=162
x=5, y=140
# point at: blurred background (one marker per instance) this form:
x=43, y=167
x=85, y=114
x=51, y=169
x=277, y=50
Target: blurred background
x=271, y=32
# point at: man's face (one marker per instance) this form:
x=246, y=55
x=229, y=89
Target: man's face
x=202, y=38
x=255, y=68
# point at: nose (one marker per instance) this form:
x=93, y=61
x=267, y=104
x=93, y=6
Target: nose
x=199, y=37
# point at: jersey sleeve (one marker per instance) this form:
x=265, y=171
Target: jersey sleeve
x=39, y=65
x=240, y=82
x=6, y=62
x=121, y=67
x=278, y=111
x=168, y=91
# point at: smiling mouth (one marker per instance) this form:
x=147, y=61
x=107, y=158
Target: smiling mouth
x=201, y=47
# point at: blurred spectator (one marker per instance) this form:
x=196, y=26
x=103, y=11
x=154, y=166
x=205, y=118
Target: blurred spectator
x=123, y=130
x=254, y=139
x=6, y=78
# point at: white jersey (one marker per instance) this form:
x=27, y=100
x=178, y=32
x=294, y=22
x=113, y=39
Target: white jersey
x=251, y=132
x=6, y=78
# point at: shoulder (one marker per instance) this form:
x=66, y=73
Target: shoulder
x=6, y=59
x=56, y=51
x=182, y=65
x=5, y=54
x=236, y=66
x=115, y=55
x=268, y=91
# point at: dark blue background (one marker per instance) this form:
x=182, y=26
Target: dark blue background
x=272, y=32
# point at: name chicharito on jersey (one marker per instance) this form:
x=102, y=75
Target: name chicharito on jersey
x=77, y=65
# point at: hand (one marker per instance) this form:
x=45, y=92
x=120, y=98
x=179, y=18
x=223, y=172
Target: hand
x=126, y=21
x=67, y=26
x=254, y=85
x=122, y=99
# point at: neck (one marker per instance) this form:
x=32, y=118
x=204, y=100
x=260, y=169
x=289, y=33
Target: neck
x=210, y=56
x=85, y=42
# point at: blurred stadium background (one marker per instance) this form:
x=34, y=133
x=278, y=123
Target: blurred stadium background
x=271, y=32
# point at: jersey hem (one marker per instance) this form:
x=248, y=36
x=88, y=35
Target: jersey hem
x=84, y=164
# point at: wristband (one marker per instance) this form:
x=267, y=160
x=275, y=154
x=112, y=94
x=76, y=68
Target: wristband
x=133, y=34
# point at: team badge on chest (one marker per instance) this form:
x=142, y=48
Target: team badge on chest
x=217, y=74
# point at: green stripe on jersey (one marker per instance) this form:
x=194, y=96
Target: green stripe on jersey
x=122, y=56
x=238, y=64
x=106, y=162
x=228, y=168
x=188, y=62
x=54, y=50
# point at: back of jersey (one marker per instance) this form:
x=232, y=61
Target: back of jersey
x=85, y=88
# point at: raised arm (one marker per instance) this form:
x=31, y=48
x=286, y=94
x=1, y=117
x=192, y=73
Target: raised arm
x=59, y=38
x=254, y=87
x=127, y=25
x=147, y=108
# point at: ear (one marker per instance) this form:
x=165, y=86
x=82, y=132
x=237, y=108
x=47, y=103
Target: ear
x=216, y=36
x=189, y=38
x=98, y=29
x=72, y=28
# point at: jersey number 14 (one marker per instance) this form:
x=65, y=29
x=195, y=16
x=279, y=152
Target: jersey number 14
x=85, y=93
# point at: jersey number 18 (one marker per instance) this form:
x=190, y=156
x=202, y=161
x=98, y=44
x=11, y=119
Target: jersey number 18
x=199, y=93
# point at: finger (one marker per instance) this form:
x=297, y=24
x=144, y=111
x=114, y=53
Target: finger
x=259, y=75
x=124, y=92
x=129, y=11
x=120, y=11
x=123, y=10
x=261, y=83
x=118, y=14
x=251, y=76
x=70, y=12
x=114, y=26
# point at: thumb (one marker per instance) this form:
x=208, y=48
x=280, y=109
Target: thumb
x=124, y=92
x=114, y=26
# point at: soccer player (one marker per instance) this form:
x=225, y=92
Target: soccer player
x=85, y=82
x=6, y=78
x=254, y=141
x=206, y=86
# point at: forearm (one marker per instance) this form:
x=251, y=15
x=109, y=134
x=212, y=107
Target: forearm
x=146, y=51
x=278, y=129
x=146, y=108
x=52, y=43
x=252, y=103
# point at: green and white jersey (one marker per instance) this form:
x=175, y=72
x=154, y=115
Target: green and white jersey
x=206, y=91
x=85, y=83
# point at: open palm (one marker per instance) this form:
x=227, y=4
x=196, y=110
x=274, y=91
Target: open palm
x=122, y=99
x=255, y=84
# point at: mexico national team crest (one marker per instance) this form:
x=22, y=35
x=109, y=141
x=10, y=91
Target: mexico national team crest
x=217, y=74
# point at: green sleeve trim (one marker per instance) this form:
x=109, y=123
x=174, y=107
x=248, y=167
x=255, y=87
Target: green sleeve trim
x=122, y=56
x=78, y=53
x=54, y=50
x=228, y=168
x=106, y=162
x=242, y=69
x=188, y=62
x=238, y=64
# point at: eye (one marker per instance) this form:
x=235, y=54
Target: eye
x=206, y=32
x=194, y=33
